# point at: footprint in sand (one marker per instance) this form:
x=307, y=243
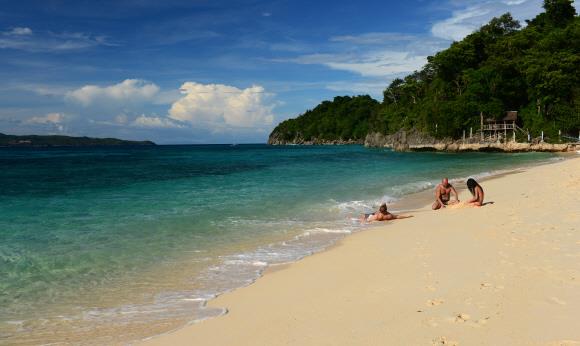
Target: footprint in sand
x=443, y=341
x=465, y=319
x=557, y=300
x=486, y=285
x=434, y=302
x=462, y=318
x=482, y=321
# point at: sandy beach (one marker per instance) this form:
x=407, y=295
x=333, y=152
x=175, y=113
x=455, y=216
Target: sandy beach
x=504, y=274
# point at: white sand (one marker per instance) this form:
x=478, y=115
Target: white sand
x=504, y=274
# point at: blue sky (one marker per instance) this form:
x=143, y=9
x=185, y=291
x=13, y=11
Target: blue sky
x=211, y=71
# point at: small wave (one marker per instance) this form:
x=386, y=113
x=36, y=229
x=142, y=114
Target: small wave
x=351, y=206
x=387, y=199
x=414, y=187
x=246, y=262
x=326, y=230
x=358, y=206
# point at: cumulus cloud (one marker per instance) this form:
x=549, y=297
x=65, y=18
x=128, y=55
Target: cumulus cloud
x=219, y=106
x=24, y=38
x=128, y=92
x=139, y=104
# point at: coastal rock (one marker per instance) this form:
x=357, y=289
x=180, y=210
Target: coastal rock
x=510, y=147
x=276, y=139
x=414, y=140
x=402, y=139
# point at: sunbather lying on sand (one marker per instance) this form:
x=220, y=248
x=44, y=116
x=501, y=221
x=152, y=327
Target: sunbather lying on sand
x=382, y=215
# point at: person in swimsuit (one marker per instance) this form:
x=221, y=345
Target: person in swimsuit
x=443, y=195
x=383, y=215
x=476, y=191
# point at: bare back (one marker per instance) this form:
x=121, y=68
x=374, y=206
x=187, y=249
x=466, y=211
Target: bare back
x=479, y=195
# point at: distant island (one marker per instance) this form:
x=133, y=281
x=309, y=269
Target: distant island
x=500, y=77
x=63, y=141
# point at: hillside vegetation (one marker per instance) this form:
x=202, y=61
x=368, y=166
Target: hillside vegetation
x=60, y=141
x=500, y=67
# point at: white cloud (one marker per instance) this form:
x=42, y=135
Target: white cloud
x=19, y=31
x=135, y=103
x=370, y=64
x=121, y=119
x=218, y=106
x=373, y=38
x=49, y=90
x=53, y=120
x=379, y=57
x=155, y=122
x=128, y=92
x=381, y=64
x=50, y=118
x=373, y=87
x=465, y=20
x=24, y=38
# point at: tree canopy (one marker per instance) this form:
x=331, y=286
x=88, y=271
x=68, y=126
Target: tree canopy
x=344, y=118
x=500, y=67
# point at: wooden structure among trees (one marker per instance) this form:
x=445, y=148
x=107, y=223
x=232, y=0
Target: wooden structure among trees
x=497, y=130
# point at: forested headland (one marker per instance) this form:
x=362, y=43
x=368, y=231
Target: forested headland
x=63, y=141
x=501, y=67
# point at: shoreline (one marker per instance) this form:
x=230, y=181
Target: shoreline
x=280, y=270
x=180, y=288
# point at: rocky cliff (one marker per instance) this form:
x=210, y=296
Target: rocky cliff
x=276, y=139
x=402, y=139
x=413, y=140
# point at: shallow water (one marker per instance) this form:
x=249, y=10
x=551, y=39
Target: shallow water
x=132, y=241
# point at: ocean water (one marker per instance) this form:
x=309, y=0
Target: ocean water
x=109, y=245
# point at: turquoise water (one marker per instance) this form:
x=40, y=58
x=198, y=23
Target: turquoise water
x=130, y=242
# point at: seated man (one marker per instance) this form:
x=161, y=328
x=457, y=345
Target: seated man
x=443, y=194
x=383, y=215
